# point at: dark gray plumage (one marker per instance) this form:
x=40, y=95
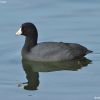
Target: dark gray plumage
x=48, y=51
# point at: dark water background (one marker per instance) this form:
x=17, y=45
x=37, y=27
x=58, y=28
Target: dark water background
x=57, y=20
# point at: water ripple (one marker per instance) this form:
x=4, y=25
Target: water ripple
x=3, y=2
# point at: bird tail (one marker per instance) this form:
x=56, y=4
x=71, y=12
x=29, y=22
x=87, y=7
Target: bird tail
x=88, y=51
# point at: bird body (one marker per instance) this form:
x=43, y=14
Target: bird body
x=48, y=51
x=54, y=51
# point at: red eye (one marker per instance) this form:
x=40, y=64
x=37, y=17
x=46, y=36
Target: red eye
x=23, y=30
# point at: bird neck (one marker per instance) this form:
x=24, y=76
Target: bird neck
x=30, y=43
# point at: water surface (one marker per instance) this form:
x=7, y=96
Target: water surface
x=57, y=20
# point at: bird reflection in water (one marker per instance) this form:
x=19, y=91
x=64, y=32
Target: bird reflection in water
x=32, y=77
x=32, y=69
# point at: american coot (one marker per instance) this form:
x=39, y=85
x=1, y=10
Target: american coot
x=48, y=51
